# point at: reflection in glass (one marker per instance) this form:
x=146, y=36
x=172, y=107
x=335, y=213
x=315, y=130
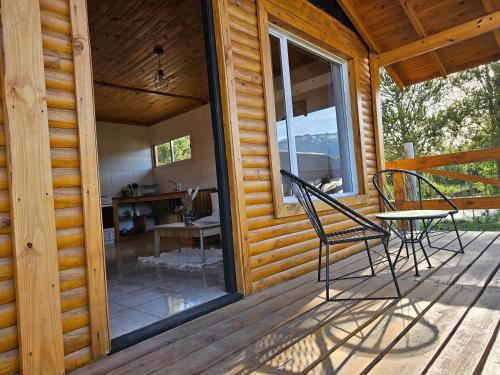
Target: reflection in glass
x=318, y=105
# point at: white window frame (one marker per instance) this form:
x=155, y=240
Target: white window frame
x=284, y=37
x=171, y=141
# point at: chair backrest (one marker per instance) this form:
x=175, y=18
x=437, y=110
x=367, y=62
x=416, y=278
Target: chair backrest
x=304, y=192
x=406, y=190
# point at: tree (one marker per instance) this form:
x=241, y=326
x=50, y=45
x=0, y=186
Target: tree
x=410, y=115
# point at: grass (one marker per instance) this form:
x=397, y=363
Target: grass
x=484, y=222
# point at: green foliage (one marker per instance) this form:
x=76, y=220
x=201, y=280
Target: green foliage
x=181, y=148
x=443, y=116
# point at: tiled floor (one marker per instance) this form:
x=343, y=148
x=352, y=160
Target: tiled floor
x=141, y=294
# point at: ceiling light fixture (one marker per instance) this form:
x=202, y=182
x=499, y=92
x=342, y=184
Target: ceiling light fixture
x=161, y=80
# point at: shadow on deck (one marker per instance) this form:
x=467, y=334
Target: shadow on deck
x=446, y=322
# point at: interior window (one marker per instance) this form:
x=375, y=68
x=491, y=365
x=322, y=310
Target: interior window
x=312, y=116
x=175, y=150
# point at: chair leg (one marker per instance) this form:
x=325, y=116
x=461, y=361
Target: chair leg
x=386, y=248
x=425, y=254
x=407, y=251
x=369, y=257
x=327, y=278
x=319, y=260
x=458, y=235
x=399, y=252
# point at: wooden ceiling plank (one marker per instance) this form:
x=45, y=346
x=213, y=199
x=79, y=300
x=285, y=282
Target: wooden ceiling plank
x=488, y=7
x=442, y=39
x=367, y=37
x=422, y=33
x=146, y=91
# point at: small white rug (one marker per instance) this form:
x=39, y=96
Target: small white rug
x=188, y=258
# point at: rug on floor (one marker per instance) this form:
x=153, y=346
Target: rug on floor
x=188, y=258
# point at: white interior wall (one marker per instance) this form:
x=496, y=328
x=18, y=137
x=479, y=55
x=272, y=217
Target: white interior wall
x=124, y=156
x=200, y=169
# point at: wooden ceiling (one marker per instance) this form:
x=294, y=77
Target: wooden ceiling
x=389, y=24
x=123, y=34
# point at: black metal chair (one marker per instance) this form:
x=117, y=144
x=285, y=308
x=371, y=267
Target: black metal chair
x=365, y=231
x=403, y=190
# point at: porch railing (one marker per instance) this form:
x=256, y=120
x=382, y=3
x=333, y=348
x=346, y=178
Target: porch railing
x=430, y=164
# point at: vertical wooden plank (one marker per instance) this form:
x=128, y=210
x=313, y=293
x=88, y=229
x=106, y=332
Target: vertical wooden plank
x=233, y=153
x=32, y=200
x=91, y=199
x=377, y=111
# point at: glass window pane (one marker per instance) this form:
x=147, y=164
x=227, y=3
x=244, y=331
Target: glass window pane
x=182, y=148
x=162, y=154
x=279, y=104
x=318, y=125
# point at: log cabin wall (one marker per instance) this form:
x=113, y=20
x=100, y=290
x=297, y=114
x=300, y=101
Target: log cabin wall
x=275, y=248
x=70, y=123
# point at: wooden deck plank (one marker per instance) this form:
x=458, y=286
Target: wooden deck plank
x=228, y=312
x=272, y=343
x=206, y=356
x=290, y=328
x=289, y=360
x=443, y=316
x=421, y=318
x=185, y=346
x=463, y=350
x=492, y=361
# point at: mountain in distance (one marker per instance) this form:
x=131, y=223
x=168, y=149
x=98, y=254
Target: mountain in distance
x=326, y=143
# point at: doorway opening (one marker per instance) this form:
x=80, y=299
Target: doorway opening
x=163, y=171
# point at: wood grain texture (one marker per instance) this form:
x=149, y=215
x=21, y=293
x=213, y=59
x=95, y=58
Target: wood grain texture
x=282, y=248
x=32, y=198
x=227, y=75
x=96, y=270
x=388, y=25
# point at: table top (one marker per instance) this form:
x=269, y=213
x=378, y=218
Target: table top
x=412, y=215
x=181, y=226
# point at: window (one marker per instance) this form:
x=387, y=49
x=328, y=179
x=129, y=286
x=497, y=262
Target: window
x=313, y=122
x=172, y=151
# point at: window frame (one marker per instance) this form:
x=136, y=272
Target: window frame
x=172, y=154
x=353, y=56
x=347, y=145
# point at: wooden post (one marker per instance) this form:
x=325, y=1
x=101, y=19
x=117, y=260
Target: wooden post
x=38, y=305
x=91, y=196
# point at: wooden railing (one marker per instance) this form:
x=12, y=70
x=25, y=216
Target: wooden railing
x=429, y=164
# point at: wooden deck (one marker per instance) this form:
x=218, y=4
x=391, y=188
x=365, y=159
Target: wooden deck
x=446, y=323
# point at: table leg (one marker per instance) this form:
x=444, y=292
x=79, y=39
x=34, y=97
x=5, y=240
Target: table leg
x=203, y=260
x=413, y=248
x=157, y=243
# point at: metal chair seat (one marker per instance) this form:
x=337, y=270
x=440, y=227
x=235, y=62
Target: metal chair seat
x=353, y=235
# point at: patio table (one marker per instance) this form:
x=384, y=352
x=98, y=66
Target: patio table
x=414, y=236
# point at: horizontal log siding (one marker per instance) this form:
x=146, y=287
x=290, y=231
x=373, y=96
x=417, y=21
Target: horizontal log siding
x=64, y=143
x=280, y=249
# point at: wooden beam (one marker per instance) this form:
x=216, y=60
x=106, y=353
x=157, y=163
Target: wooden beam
x=377, y=112
x=488, y=7
x=420, y=30
x=91, y=195
x=442, y=39
x=146, y=91
x=367, y=37
x=39, y=318
x=462, y=176
x=462, y=157
x=232, y=139
x=465, y=203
